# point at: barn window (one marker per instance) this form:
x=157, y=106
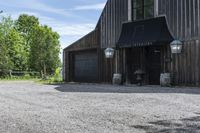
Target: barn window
x=142, y=9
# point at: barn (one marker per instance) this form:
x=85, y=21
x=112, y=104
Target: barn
x=141, y=33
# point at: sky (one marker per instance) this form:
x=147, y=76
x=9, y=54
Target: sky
x=72, y=19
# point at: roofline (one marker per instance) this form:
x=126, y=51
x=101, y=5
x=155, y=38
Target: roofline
x=102, y=13
x=78, y=40
x=91, y=31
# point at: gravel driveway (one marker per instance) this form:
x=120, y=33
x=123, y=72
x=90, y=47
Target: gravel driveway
x=27, y=107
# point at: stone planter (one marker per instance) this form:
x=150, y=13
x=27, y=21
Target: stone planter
x=165, y=79
x=117, y=79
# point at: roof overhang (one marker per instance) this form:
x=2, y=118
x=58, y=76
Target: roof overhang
x=146, y=32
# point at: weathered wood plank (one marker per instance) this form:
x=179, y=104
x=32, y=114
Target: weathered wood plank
x=116, y=13
x=197, y=63
x=193, y=59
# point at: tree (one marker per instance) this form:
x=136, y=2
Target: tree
x=45, y=50
x=6, y=26
x=12, y=47
x=26, y=45
x=17, y=51
x=25, y=25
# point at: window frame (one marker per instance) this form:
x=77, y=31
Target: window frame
x=142, y=7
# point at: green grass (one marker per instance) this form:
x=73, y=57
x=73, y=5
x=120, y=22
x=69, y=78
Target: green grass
x=49, y=82
x=36, y=80
x=53, y=79
x=19, y=79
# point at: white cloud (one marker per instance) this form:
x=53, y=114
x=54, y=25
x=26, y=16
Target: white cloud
x=63, y=28
x=99, y=6
x=67, y=29
x=15, y=15
x=34, y=5
x=73, y=29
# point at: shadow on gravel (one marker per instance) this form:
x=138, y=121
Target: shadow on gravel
x=99, y=88
x=186, y=125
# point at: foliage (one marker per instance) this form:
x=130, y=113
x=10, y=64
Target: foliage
x=25, y=24
x=54, y=79
x=17, y=51
x=26, y=45
x=6, y=26
x=57, y=76
x=44, y=55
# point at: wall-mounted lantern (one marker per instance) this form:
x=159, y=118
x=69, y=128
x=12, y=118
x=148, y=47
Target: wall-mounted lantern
x=176, y=46
x=109, y=52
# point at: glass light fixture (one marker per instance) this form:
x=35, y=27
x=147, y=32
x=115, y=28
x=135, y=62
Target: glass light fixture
x=176, y=46
x=109, y=52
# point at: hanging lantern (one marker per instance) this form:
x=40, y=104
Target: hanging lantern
x=176, y=46
x=109, y=52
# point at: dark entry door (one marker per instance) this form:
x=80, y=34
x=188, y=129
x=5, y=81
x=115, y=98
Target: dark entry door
x=133, y=63
x=86, y=67
x=154, y=65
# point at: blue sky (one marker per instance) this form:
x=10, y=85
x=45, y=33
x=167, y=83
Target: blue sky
x=72, y=19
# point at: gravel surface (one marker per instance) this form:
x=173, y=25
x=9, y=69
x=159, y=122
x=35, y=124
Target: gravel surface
x=27, y=107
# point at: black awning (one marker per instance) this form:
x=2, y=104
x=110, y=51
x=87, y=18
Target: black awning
x=145, y=32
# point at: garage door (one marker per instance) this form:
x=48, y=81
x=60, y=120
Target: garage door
x=85, y=67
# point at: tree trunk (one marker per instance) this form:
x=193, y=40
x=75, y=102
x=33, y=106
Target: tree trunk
x=45, y=71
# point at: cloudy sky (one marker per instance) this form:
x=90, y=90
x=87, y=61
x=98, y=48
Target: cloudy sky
x=70, y=18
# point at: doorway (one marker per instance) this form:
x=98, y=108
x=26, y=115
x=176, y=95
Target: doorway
x=154, y=64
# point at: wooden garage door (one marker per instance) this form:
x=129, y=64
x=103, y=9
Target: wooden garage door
x=86, y=67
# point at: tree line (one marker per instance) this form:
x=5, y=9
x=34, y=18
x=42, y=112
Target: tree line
x=26, y=45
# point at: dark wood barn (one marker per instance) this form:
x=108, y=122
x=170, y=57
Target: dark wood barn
x=140, y=32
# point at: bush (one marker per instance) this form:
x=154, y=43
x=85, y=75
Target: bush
x=55, y=78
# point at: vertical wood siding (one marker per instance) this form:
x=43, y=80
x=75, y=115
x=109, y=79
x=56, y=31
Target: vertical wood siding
x=186, y=66
x=183, y=17
x=184, y=23
x=114, y=14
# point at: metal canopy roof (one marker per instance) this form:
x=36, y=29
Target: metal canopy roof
x=145, y=32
